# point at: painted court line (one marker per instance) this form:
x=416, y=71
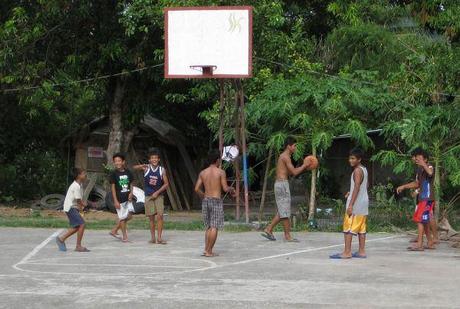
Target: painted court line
x=26, y=260
x=285, y=254
x=36, y=249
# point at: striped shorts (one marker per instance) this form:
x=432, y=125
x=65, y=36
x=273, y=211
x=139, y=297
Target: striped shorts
x=213, y=212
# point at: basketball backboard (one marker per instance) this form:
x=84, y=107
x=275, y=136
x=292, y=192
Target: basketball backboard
x=203, y=42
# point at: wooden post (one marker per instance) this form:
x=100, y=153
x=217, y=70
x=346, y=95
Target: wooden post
x=187, y=161
x=221, y=117
x=264, y=186
x=172, y=185
x=312, y=206
x=245, y=156
x=236, y=163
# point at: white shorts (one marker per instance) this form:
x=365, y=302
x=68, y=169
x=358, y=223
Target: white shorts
x=125, y=209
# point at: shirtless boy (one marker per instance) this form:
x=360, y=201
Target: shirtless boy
x=214, y=181
x=284, y=169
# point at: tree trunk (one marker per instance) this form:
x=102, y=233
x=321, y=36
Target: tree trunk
x=116, y=121
x=312, y=206
x=437, y=186
x=264, y=187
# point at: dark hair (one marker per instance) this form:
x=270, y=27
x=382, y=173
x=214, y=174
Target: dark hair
x=357, y=152
x=118, y=155
x=154, y=152
x=213, y=157
x=76, y=172
x=419, y=151
x=289, y=141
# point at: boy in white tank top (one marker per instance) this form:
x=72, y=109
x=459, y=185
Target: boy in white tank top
x=357, y=208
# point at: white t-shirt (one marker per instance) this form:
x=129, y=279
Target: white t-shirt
x=74, y=193
x=139, y=194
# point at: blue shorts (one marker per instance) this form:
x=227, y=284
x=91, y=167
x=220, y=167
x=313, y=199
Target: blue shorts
x=75, y=219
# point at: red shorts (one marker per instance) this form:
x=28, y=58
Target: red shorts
x=424, y=212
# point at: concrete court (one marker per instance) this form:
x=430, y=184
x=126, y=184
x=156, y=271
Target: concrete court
x=249, y=273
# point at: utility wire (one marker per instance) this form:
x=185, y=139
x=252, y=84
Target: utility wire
x=19, y=89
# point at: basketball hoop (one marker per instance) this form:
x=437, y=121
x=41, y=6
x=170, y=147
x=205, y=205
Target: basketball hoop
x=206, y=70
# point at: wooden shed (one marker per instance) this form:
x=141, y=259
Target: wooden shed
x=90, y=142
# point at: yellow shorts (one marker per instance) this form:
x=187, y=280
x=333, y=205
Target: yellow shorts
x=154, y=206
x=355, y=224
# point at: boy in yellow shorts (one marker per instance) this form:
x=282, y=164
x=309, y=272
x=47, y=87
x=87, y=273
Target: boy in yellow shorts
x=355, y=219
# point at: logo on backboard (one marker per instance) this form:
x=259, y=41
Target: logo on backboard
x=234, y=24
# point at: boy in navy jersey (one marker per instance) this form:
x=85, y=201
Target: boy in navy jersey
x=155, y=184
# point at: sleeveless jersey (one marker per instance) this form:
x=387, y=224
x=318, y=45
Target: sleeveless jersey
x=153, y=179
x=361, y=206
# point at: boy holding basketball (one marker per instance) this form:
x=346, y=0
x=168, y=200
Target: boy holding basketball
x=122, y=192
x=423, y=216
x=284, y=169
x=73, y=203
x=357, y=208
x=155, y=184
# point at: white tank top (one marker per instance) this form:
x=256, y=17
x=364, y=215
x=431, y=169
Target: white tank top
x=361, y=206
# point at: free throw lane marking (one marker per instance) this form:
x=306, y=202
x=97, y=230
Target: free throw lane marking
x=36, y=250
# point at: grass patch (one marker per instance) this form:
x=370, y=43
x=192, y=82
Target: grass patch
x=37, y=221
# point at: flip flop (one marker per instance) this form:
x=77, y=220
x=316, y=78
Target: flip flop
x=292, y=240
x=114, y=235
x=83, y=250
x=429, y=248
x=268, y=236
x=213, y=255
x=152, y=241
x=61, y=245
x=161, y=242
x=126, y=241
x=356, y=255
x=338, y=256
x=415, y=249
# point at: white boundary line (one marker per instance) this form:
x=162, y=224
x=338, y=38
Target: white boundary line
x=213, y=265
x=36, y=250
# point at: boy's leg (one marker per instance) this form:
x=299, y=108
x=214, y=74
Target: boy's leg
x=123, y=230
x=287, y=228
x=434, y=231
x=67, y=234
x=427, y=228
x=362, y=244
x=348, y=237
x=212, y=237
x=114, y=231
x=160, y=228
x=420, y=232
x=276, y=219
x=152, y=229
x=81, y=230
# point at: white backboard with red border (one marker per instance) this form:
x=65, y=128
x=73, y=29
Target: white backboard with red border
x=217, y=38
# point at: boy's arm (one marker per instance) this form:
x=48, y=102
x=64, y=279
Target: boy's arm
x=428, y=168
x=114, y=196
x=198, y=185
x=410, y=185
x=163, y=187
x=358, y=179
x=130, y=195
x=140, y=167
x=294, y=170
x=223, y=182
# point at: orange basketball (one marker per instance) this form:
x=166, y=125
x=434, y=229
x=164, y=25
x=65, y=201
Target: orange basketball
x=312, y=162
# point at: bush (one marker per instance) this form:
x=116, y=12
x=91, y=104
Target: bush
x=31, y=175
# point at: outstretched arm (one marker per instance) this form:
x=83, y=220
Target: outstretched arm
x=223, y=181
x=140, y=167
x=410, y=185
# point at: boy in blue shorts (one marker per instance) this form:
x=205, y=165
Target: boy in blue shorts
x=357, y=208
x=73, y=203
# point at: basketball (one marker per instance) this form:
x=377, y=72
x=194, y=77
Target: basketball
x=312, y=162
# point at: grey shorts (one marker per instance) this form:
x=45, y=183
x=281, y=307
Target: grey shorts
x=213, y=212
x=283, y=198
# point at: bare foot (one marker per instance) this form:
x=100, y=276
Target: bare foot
x=161, y=242
x=206, y=254
x=114, y=235
x=81, y=249
x=125, y=240
x=152, y=241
